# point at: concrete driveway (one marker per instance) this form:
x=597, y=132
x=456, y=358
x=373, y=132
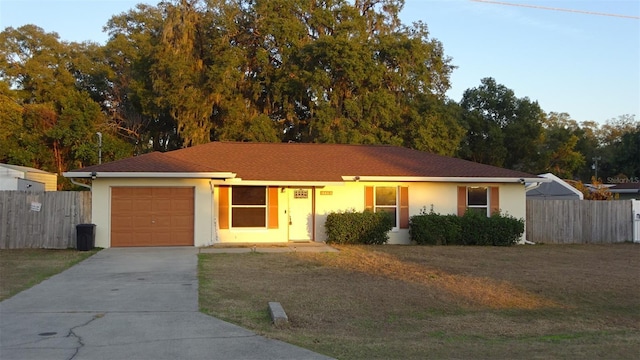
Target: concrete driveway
x=127, y=303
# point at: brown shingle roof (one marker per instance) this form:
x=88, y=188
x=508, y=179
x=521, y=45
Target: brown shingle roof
x=626, y=186
x=305, y=162
x=152, y=162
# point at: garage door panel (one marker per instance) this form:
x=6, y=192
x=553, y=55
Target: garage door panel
x=162, y=218
x=152, y=216
x=127, y=238
x=181, y=205
x=162, y=192
x=119, y=222
x=181, y=222
x=121, y=204
x=142, y=205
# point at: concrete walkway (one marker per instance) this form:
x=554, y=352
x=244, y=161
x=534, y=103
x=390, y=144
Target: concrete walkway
x=135, y=303
x=269, y=247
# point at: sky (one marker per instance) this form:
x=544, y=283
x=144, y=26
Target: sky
x=577, y=62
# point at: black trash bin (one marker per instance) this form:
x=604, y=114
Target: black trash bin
x=86, y=236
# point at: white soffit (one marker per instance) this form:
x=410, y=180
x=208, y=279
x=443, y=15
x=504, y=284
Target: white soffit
x=173, y=175
x=444, y=179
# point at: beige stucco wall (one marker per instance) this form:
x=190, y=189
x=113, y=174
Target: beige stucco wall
x=341, y=197
x=442, y=196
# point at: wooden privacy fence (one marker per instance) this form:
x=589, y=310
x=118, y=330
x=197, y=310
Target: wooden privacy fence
x=42, y=219
x=579, y=221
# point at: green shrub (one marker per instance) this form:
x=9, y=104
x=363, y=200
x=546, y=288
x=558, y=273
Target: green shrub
x=506, y=230
x=352, y=227
x=474, y=228
x=435, y=229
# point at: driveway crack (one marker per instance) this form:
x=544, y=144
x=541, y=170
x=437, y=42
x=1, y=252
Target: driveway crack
x=72, y=334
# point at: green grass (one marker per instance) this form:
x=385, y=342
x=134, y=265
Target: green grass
x=21, y=269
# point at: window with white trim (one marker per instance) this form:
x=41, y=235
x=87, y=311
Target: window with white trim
x=386, y=200
x=249, y=207
x=478, y=199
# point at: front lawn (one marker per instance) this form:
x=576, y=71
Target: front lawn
x=422, y=302
x=21, y=269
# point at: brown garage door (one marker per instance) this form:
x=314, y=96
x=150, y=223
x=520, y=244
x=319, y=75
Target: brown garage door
x=151, y=216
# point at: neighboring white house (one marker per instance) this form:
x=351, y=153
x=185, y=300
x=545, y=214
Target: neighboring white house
x=556, y=189
x=228, y=192
x=14, y=177
x=626, y=191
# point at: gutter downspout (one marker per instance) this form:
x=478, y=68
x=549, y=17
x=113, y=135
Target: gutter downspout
x=532, y=186
x=213, y=215
x=80, y=184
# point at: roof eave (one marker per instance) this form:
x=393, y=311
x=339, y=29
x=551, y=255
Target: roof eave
x=462, y=179
x=292, y=183
x=172, y=175
x=625, y=191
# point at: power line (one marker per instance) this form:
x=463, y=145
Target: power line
x=558, y=9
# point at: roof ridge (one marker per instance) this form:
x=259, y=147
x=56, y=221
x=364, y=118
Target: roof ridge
x=301, y=143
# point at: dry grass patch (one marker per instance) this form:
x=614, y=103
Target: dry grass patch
x=21, y=269
x=437, y=302
x=481, y=291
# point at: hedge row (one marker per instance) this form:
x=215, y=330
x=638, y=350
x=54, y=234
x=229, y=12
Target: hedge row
x=473, y=228
x=358, y=228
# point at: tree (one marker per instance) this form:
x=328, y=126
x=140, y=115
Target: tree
x=50, y=121
x=366, y=75
x=434, y=126
x=620, y=147
x=502, y=130
x=323, y=71
x=557, y=151
x=12, y=149
x=179, y=74
x=34, y=64
x=589, y=146
x=128, y=97
x=596, y=190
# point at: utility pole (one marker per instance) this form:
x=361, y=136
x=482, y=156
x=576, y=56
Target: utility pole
x=595, y=165
x=99, y=147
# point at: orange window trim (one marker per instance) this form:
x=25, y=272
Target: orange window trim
x=404, y=207
x=494, y=200
x=223, y=207
x=462, y=200
x=368, y=198
x=273, y=208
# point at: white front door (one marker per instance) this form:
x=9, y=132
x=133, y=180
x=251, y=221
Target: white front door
x=300, y=214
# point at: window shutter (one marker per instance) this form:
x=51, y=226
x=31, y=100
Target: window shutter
x=494, y=199
x=462, y=200
x=223, y=207
x=404, y=207
x=368, y=198
x=273, y=207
